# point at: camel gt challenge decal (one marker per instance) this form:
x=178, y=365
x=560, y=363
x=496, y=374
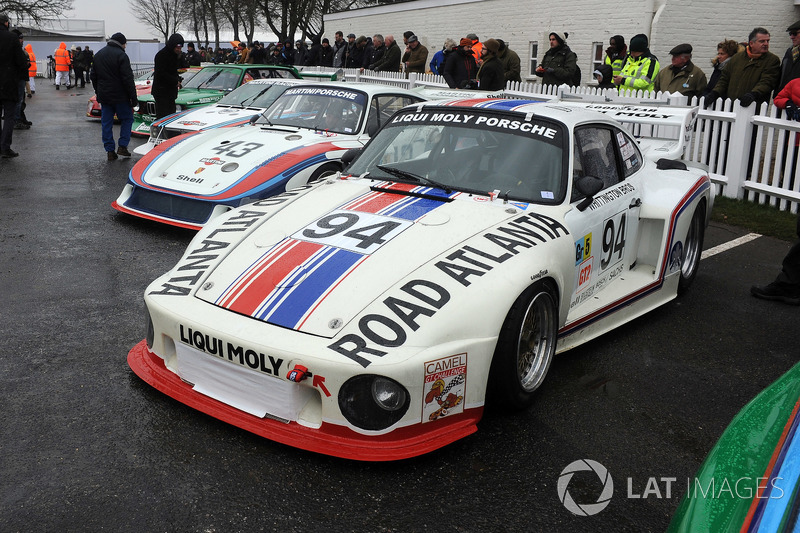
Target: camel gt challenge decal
x=445, y=384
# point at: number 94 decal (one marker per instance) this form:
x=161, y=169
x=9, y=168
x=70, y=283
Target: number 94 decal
x=362, y=233
x=613, y=240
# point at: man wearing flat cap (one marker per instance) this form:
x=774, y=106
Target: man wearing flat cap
x=682, y=76
x=790, y=66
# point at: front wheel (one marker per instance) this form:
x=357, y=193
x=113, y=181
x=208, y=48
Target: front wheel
x=328, y=169
x=525, y=347
x=692, y=248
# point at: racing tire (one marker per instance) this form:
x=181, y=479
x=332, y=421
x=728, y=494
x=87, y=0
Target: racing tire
x=692, y=248
x=328, y=169
x=525, y=347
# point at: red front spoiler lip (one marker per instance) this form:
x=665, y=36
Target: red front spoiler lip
x=186, y=225
x=329, y=439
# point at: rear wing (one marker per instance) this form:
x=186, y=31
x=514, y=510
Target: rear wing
x=661, y=131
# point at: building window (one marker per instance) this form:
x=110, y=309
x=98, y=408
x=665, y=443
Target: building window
x=534, y=53
x=597, y=56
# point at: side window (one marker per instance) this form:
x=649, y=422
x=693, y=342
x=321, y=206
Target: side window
x=596, y=148
x=629, y=152
x=382, y=109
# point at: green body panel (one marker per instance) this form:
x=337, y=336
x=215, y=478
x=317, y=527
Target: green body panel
x=190, y=98
x=744, y=450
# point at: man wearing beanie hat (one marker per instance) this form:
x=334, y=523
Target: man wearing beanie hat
x=112, y=79
x=165, y=75
x=790, y=66
x=490, y=74
x=559, y=64
x=641, y=67
x=682, y=76
x=460, y=67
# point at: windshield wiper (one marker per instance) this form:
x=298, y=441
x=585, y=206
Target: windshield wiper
x=400, y=173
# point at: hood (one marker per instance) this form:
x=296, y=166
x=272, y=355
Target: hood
x=320, y=262
x=209, y=117
x=226, y=164
x=63, y=46
x=29, y=48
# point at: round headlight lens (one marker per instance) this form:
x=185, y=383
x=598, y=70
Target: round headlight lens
x=373, y=402
x=154, y=130
x=388, y=394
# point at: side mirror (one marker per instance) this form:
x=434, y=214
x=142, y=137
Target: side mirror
x=350, y=155
x=588, y=186
x=254, y=119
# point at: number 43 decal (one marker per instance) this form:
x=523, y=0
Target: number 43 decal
x=613, y=240
x=362, y=233
x=236, y=148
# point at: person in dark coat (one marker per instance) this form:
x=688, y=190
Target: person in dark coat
x=13, y=64
x=559, y=64
x=790, y=66
x=166, y=77
x=112, y=79
x=193, y=58
x=390, y=61
x=314, y=53
x=491, y=76
x=604, y=76
x=460, y=67
x=326, y=54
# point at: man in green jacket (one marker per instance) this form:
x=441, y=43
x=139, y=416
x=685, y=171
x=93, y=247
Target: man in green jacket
x=751, y=75
x=417, y=56
x=682, y=76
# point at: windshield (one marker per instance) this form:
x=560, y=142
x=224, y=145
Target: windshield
x=334, y=110
x=254, y=95
x=469, y=150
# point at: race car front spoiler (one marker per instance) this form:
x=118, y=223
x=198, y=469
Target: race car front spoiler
x=329, y=439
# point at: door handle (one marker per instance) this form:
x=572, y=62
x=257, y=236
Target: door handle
x=635, y=203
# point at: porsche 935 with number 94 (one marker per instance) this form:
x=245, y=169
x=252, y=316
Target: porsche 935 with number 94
x=190, y=179
x=370, y=315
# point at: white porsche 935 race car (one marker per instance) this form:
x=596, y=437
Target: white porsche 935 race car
x=190, y=179
x=234, y=109
x=370, y=315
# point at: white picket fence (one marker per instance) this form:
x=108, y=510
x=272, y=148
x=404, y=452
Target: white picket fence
x=750, y=152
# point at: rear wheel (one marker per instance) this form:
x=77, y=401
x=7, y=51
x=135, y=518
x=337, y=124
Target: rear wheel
x=526, y=347
x=692, y=248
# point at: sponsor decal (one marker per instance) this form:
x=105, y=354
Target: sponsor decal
x=480, y=120
x=676, y=257
x=583, y=249
x=405, y=310
x=611, y=195
x=630, y=111
x=338, y=93
x=235, y=353
x=212, y=161
x=445, y=386
x=193, y=267
x=191, y=123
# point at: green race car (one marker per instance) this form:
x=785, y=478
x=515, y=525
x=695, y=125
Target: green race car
x=749, y=480
x=210, y=85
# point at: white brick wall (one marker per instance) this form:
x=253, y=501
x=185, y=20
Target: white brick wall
x=703, y=23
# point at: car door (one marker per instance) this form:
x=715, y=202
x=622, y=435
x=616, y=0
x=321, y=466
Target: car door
x=382, y=107
x=606, y=227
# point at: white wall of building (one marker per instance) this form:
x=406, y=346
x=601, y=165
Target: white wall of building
x=703, y=23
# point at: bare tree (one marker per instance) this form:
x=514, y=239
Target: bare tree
x=165, y=16
x=34, y=10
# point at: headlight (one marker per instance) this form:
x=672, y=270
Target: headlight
x=154, y=131
x=373, y=402
x=178, y=109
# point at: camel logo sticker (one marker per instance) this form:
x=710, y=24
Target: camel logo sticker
x=445, y=386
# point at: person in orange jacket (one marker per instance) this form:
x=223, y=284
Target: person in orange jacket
x=31, y=87
x=63, y=61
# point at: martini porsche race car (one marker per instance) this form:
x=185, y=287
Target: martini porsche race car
x=209, y=86
x=234, y=109
x=369, y=315
x=188, y=180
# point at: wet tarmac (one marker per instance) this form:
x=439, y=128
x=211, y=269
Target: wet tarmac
x=87, y=446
